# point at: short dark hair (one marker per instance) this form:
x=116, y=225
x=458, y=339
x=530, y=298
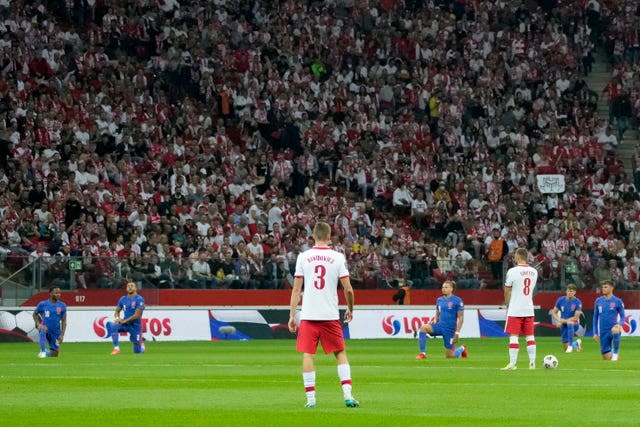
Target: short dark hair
x=53, y=288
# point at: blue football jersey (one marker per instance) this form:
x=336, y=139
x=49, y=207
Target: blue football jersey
x=130, y=305
x=449, y=307
x=607, y=312
x=51, y=314
x=568, y=307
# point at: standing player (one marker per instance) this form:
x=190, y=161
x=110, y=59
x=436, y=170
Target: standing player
x=51, y=321
x=320, y=269
x=133, y=305
x=608, y=317
x=566, y=313
x=446, y=323
x=518, y=295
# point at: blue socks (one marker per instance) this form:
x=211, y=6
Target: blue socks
x=422, y=340
x=43, y=341
x=115, y=336
x=571, y=330
x=616, y=343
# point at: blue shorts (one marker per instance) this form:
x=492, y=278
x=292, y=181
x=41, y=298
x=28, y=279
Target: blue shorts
x=445, y=332
x=52, y=340
x=568, y=333
x=606, y=341
x=133, y=330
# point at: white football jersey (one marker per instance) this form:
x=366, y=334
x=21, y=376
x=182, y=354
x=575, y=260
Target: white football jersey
x=522, y=281
x=321, y=269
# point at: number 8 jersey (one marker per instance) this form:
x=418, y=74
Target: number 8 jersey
x=522, y=280
x=321, y=269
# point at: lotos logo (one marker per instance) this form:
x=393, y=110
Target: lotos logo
x=407, y=324
x=390, y=325
x=630, y=325
x=157, y=326
x=152, y=325
x=100, y=327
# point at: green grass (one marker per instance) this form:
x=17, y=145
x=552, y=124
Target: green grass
x=258, y=383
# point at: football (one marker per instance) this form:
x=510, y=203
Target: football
x=550, y=361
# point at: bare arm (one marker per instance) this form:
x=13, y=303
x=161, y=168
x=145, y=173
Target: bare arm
x=459, y=326
x=349, y=298
x=435, y=319
x=116, y=315
x=576, y=316
x=36, y=318
x=507, y=295
x=136, y=315
x=293, y=303
x=460, y=321
x=63, y=327
x=596, y=323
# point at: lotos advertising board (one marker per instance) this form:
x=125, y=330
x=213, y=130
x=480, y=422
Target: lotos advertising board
x=402, y=323
x=157, y=325
x=202, y=324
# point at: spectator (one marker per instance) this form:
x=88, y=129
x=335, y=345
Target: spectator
x=202, y=275
x=163, y=112
x=402, y=198
x=497, y=249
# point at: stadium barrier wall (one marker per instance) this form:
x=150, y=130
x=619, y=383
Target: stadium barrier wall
x=281, y=297
x=204, y=324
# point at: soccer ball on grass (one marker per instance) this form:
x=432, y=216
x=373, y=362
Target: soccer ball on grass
x=550, y=361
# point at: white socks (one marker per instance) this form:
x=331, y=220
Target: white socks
x=344, y=373
x=309, y=379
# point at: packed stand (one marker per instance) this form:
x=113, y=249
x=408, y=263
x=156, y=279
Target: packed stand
x=194, y=144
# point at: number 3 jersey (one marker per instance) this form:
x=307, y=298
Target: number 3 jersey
x=522, y=280
x=321, y=269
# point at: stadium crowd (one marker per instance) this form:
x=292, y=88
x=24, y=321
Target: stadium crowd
x=195, y=143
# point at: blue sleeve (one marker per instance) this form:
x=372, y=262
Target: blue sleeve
x=558, y=303
x=621, y=312
x=596, y=319
x=579, y=305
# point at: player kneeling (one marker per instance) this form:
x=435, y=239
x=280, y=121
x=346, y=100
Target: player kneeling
x=446, y=323
x=132, y=305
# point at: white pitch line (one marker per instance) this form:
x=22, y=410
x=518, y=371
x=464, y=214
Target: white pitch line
x=356, y=367
x=241, y=380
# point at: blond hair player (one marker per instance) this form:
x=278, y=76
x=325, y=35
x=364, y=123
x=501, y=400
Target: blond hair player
x=519, y=285
x=320, y=269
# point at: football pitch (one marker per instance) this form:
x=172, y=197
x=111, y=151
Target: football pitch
x=258, y=383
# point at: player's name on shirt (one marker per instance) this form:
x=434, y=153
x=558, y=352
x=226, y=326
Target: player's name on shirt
x=321, y=258
x=527, y=272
